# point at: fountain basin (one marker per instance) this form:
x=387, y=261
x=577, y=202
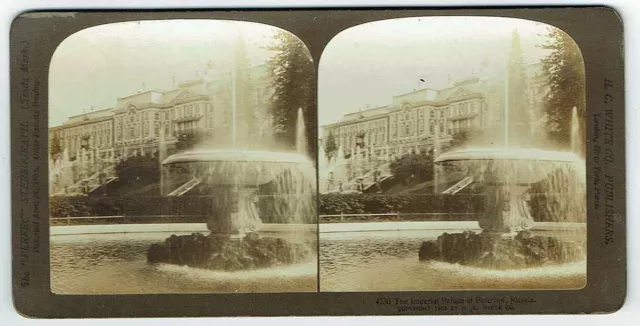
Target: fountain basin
x=494, y=251
x=377, y=260
x=508, y=153
x=107, y=259
x=503, y=164
x=218, y=252
x=234, y=166
x=506, y=177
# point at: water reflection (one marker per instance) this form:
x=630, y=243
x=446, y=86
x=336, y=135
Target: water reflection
x=116, y=264
x=388, y=261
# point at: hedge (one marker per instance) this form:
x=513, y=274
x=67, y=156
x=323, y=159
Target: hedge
x=543, y=207
x=271, y=209
x=334, y=204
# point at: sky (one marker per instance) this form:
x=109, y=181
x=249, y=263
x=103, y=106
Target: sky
x=95, y=66
x=370, y=63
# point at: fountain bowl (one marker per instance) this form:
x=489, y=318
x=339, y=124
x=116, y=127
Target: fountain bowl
x=236, y=166
x=507, y=153
x=519, y=165
x=237, y=155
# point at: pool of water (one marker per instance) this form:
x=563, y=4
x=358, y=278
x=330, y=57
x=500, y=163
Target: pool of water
x=116, y=264
x=388, y=261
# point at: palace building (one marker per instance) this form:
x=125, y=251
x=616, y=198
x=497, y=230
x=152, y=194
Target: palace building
x=426, y=119
x=414, y=121
x=152, y=122
x=134, y=125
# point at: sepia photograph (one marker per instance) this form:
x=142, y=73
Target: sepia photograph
x=452, y=156
x=182, y=159
x=318, y=162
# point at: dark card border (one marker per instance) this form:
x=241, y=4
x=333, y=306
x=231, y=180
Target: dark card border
x=35, y=35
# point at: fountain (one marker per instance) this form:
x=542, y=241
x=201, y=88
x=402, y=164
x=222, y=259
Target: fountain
x=301, y=138
x=520, y=186
x=333, y=171
x=240, y=187
x=61, y=174
x=575, y=131
x=513, y=180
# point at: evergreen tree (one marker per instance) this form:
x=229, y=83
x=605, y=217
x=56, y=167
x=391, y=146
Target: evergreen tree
x=566, y=86
x=294, y=87
x=330, y=146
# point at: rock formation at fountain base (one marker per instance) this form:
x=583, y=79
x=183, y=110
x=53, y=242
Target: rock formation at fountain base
x=220, y=252
x=495, y=251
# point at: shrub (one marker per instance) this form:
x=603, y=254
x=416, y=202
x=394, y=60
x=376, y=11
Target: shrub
x=333, y=204
x=271, y=209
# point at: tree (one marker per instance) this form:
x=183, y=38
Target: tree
x=413, y=167
x=330, y=146
x=55, y=149
x=459, y=139
x=294, y=87
x=565, y=66
x=138, y=171
x=189, y=139
x=467, y=137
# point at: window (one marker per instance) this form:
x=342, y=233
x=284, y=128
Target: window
x=431, y=128
x=157, y=116
x=156, y=130
x=441, y=113
x=431, y=113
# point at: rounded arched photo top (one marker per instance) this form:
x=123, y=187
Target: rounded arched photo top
x=369, y=65
x=95, y=67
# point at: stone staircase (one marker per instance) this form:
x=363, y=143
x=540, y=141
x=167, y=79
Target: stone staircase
x=88, y=185
x=368, y=178
x=185, y=187
x=458, y=186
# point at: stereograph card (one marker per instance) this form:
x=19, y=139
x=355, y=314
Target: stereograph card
x=452, y=161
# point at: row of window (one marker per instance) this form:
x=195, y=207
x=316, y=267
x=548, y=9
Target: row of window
x=379, y=138
x=132, y=131
x=187, y=110
x=84, y=130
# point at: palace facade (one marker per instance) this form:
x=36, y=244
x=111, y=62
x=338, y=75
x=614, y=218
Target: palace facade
x=426, y=119
x=139, y=122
